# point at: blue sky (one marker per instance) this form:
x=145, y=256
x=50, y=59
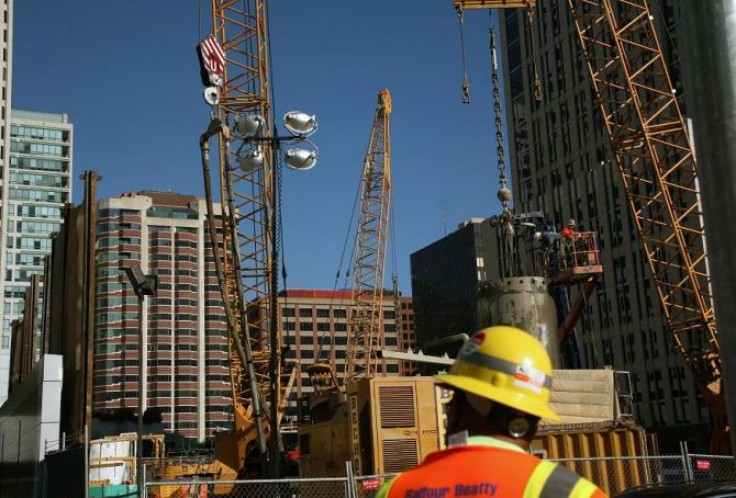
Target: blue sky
x=127, y=75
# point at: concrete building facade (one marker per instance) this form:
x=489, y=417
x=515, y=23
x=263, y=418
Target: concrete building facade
x=38, y=183
x=315, y=326
x=185, y=371
x=406, y=332
x=445, y=277
x=562, y=165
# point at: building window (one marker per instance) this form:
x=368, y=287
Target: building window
x=323, y=313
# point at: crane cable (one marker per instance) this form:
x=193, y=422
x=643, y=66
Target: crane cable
x=395, y=279
x=675, y=50
x=497, y=117
x=280, y=241
x=321, y=339
x=278, y=250
x=538, y=94
x=466, y=85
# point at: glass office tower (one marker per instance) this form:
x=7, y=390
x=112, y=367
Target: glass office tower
x=37, y=184
x=6, y=70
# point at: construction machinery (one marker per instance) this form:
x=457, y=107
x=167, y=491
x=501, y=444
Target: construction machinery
x=379, y=425
x=323, y=439
x=248, y=211
x=365, y=325
x=654, y=156
x=243, y=236
x=537, y=265
x=390, y=424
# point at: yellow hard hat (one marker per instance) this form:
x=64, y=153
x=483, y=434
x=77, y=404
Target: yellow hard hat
x=506, y=365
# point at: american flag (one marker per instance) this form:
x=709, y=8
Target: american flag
x=212, y=58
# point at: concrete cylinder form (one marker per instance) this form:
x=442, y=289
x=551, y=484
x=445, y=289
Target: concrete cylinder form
x=521, y=302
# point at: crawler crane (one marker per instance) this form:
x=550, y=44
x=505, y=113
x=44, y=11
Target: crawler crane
x=336, y=399
x=242, y=233
x=655, y=160
x=365, y=324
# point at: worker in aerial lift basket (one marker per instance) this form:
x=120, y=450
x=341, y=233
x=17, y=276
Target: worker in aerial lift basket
x=501, y=381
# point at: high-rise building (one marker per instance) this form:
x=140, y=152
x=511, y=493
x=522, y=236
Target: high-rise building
x=445, y=277
x=6, y=72
x=38, y=183
x=185, y=372
x=406, y=332
x=315, y=327
x=562, y=165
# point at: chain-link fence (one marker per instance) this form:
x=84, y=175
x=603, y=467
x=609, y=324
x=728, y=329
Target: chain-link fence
x=612, y=474
x=615, y=474
x=338, y=487
x=711, y=467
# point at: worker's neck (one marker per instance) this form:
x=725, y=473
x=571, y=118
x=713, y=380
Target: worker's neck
x=461, y=438
x=521, y=443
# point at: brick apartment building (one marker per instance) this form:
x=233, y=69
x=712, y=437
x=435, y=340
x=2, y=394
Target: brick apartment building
x=185, y=372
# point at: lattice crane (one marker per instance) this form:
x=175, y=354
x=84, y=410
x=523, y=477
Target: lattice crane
x=655, y=159
x=365, y=329
x=235, y=62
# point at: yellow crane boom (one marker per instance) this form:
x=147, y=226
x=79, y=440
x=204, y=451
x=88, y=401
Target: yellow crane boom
x=365, y=330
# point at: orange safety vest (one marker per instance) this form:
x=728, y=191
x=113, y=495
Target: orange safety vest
x=488, y=467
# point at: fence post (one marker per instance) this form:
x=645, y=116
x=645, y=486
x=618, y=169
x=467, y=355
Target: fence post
x=86, y=462
x=686, y=462
x=2, y=461
x=352, y=485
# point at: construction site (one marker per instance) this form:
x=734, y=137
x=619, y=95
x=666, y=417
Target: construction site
x=355, y=403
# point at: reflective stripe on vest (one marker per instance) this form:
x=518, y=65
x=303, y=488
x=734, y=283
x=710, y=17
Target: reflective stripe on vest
x=504, y=472
x=550, y=480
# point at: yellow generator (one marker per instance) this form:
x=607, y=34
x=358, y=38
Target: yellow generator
x=381, y=425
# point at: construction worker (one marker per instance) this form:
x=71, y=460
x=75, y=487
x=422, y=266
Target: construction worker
x=501, y=381
x=550, y=243
x=569, y=232
x=568, y=237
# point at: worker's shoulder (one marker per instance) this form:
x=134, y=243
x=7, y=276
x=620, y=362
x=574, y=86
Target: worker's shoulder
x=555, y=479
x=472, y=458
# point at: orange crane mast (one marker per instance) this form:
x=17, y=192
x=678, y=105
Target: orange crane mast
x=244, y=252
x=655, y=159
x=365, y=330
